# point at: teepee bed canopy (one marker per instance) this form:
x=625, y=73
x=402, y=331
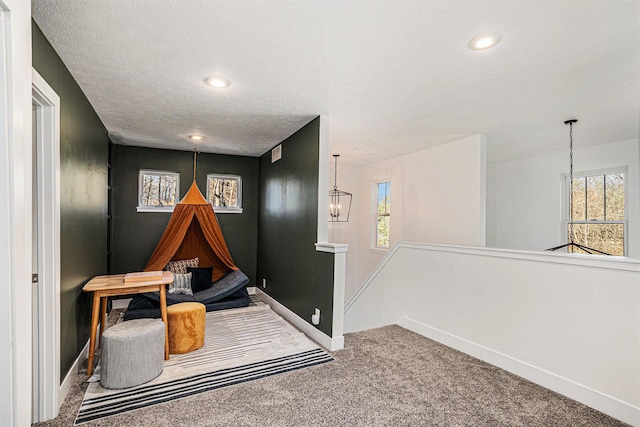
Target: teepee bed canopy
x=193, y=233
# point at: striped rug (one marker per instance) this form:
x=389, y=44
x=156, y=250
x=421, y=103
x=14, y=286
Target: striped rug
x=240, y=345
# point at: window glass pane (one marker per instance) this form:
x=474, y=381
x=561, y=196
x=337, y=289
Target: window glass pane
x=383, y=197
x=382, y=232
x=150, y=190
x=607, y=238
x=382, y=216
x=615, y=196
x=579, y=202
x=224, y=191
x=159, y=190
x=595, y=197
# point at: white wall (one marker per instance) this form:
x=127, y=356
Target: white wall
x=529, y=198
x=568, y=322
x=492, y=205
x=360, y=261
x=437, y=196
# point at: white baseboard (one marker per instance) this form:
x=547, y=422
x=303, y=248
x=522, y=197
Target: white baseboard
x=71, y=374
x=332, y=344
x=593, y=398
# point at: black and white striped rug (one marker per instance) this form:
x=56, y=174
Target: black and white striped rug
x=240, y=345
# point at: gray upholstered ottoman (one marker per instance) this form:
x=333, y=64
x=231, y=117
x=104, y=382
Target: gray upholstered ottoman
x=132, y=353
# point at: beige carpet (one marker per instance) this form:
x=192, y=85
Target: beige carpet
x=242, y=344
x=384, y=377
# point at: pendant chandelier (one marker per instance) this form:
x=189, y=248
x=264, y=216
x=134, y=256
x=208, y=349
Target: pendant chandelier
x=339, y=201
x=571, y=246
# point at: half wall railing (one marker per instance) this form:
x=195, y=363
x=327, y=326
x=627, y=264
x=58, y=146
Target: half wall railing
x=568, y=322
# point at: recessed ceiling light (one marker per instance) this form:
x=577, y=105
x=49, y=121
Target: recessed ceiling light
x=197, y=137
x=484, y=41
x=218, y=82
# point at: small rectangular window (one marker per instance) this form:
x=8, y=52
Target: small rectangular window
x=158, y=190
x=224, y=192
x=382, y=214
x=596, y=218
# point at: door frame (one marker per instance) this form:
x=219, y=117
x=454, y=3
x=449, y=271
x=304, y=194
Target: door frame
x=15, y=212
x=48, y=176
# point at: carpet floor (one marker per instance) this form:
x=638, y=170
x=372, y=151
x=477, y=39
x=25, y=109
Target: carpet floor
x=243, y=344
x=384, y=377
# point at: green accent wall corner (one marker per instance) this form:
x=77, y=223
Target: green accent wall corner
x=297, y=275
x=83, y=198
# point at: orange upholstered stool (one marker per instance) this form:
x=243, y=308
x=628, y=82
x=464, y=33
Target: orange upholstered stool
x=186, y=326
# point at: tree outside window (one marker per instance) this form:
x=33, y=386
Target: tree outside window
x=598, y=213
x=224, y=192
x=383, y=214
x=157, y=190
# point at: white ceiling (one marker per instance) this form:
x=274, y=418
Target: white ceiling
x=393, y=77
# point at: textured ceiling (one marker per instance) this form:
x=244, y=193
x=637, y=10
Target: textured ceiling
x=393, y=77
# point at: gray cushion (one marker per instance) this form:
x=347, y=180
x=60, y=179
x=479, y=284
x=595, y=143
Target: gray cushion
x=175, y=298
x=171, y=298
x=223, y=287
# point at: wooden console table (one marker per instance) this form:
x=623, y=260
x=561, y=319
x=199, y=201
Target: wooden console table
x=106, y=286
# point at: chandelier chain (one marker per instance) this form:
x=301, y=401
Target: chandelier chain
x=335, y=182
x=195, y=159
x=571, y=235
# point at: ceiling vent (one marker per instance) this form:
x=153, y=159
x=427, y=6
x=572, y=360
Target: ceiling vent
x=276, y=153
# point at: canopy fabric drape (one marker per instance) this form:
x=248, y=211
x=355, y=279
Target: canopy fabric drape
x=193, y=231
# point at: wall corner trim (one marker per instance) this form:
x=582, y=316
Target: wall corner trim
x=339, y=281
x=330, y=343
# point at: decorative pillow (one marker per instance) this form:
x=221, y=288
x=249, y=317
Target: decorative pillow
x=180, y=267
x=181, y=284
x=201, y=278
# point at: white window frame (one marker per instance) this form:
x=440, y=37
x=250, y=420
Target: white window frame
x=150, y=208
x=227, y=209
x=567, y=203
x=375, y=215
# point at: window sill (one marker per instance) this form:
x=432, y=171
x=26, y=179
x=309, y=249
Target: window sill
x=152, y=209
x=227, y=210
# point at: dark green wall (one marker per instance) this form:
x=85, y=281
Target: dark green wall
x=83, y=198
x=280, y=199
x=297, y=275
x=136, y=234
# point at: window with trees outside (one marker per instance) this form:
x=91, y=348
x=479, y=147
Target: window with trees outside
x=158, y=190
x=598, y=214
x=224, y=192
x=382, y=214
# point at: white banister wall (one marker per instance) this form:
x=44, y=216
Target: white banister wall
x=568, y=322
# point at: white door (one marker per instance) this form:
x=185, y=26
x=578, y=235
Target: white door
x=35, y=352
x=47, y=392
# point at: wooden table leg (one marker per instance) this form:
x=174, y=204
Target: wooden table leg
x=94, y=325
x=103, y=318
x=163, y=313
